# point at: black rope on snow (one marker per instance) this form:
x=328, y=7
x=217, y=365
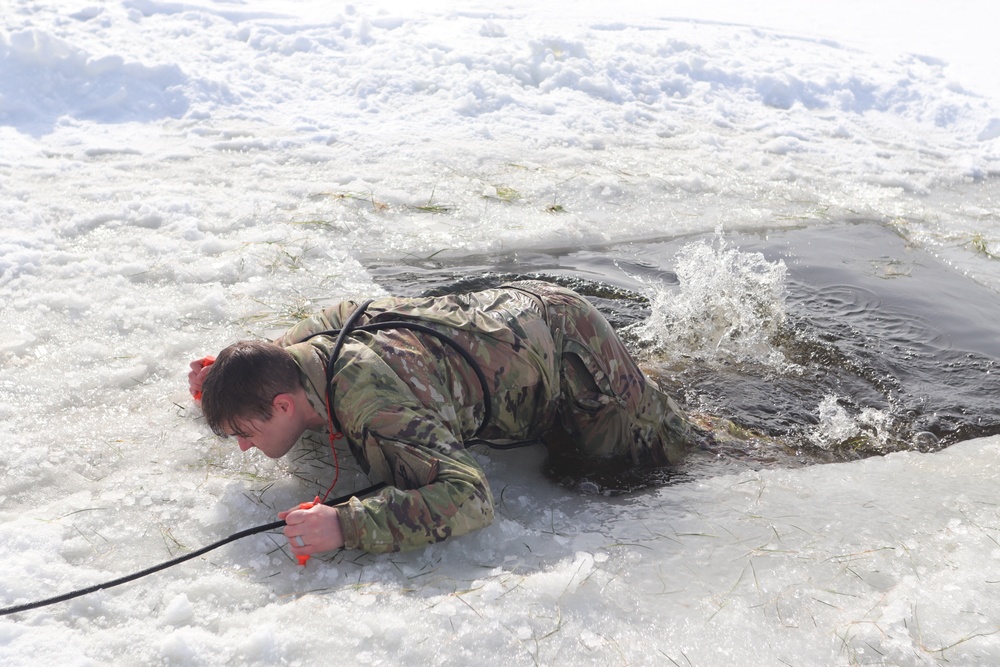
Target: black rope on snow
x=170, y=563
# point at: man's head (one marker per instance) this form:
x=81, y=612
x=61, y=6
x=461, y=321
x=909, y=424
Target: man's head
x=253, y=392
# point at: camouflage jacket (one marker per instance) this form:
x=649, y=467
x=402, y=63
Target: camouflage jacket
x=408, y=403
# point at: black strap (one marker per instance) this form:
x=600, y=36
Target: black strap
x=341, y=337
x=349, y=327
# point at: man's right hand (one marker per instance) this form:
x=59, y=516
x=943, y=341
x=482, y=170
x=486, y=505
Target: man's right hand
x=199, y=369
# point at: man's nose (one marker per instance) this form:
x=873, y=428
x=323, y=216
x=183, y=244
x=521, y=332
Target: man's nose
x=243, y=443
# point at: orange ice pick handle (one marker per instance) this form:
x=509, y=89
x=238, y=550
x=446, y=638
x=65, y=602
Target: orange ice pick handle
x=205, y=362
x=304, y=506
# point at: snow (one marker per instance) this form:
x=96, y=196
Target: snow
x=174, y=175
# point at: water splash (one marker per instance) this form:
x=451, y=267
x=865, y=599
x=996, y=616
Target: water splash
x=870, y=429
x=728, y=307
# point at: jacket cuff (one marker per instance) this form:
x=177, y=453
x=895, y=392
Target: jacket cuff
x=350, y=530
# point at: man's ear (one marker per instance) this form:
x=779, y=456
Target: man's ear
x=283, y=404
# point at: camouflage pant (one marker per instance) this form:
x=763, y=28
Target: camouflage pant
x=609, y=410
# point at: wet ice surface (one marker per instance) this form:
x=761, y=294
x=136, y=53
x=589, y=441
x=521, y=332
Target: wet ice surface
x=833, y=564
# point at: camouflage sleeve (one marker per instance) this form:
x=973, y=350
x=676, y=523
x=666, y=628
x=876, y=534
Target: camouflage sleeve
x=438, y=490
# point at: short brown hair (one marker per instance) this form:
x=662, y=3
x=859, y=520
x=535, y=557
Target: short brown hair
x=243, y=382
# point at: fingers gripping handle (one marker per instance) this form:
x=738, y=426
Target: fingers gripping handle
x=205, y=363
x=303, y=559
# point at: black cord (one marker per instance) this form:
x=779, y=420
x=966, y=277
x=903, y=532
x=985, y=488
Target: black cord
x=350, y=327
x=170, y=563
x=465, y=354
x=341, y=338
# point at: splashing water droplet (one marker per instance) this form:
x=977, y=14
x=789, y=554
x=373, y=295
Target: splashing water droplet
x=727, y=308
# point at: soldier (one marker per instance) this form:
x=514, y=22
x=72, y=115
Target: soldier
x=412, y=382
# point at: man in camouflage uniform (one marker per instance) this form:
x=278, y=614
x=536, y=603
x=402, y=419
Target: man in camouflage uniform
x=409, y=403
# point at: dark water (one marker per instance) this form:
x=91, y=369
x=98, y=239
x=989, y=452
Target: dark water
x=869, y=319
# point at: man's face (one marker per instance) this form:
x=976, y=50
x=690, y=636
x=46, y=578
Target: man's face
x=274, y=437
